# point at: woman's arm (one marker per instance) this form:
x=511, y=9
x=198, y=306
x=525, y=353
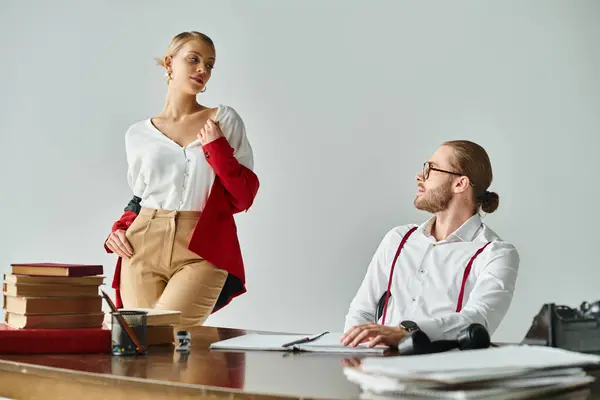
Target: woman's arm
x=240, y=182
x=228, y=151
x=116, y=241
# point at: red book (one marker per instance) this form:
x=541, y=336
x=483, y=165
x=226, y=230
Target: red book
x=56, y=269
x=54, y=341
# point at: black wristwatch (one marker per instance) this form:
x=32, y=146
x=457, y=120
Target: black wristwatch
x=409, y=326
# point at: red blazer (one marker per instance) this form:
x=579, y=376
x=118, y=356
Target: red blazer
x=215, y=236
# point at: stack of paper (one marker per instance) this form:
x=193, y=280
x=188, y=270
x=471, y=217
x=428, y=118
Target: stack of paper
x=496, y=373
x=322, y=343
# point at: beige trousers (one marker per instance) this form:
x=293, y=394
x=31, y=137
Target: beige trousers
x=163, y=273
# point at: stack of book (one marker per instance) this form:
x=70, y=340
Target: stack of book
x=160, y=325
x=53, y=309
x=53, y=296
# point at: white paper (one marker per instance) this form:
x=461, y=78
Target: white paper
x=255, y=341
x=504, y=357
x=514, y=387
x=469, y=376
x=436, y=379
x=495, y=393
x=506, y=378
x=329, y=343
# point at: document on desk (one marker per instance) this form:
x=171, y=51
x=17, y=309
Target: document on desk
x=504, y=358
x=326, y=342
x=507, y=372
x=377, y=387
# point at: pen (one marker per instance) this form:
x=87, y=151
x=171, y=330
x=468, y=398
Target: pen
x=123, y=323
x=304, y=340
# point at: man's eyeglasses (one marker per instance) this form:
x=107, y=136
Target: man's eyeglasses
x=427, y=168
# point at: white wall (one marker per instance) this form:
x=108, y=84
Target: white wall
x=343, y=101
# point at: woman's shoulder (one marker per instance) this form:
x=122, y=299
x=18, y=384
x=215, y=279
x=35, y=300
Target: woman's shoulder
x=141, y=126
x=227, y=114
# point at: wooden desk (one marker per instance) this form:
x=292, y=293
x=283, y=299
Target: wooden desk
x=201, y=374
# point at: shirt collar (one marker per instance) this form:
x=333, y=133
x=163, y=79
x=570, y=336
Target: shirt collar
x=425, y=227
x=466, y=232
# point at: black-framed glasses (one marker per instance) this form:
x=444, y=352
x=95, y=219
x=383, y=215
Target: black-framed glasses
x=427, y=168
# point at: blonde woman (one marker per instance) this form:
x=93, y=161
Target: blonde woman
x=190, y=170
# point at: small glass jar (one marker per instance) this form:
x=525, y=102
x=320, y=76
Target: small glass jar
x=183, y=341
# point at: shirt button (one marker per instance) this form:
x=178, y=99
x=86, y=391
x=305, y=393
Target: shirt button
x=413, y=299
x=422, y=271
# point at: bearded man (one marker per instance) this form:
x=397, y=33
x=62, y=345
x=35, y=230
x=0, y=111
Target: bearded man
x=445, y=274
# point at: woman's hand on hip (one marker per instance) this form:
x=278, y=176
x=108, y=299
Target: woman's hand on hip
x=119, y=244
x=210, y=132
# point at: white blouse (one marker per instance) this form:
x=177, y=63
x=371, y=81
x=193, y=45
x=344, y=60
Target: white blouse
x=168, y=176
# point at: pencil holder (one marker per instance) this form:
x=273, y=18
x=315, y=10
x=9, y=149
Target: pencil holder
x=122, y=344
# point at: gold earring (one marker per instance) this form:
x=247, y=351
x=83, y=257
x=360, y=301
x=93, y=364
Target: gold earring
x=203, y=90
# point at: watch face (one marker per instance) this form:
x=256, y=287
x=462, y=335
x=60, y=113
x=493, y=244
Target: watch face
x=409, y=325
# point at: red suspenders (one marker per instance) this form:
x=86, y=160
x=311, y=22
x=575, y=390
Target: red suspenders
x=462, y=286
x=387, y=294
x=466, y=275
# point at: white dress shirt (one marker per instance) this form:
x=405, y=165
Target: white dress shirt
x=170, y=177
x=428, y=277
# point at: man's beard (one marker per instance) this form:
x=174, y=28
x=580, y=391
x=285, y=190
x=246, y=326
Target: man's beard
x=435, y=200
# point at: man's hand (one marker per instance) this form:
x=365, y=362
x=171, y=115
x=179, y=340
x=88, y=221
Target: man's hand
x=374, y=334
